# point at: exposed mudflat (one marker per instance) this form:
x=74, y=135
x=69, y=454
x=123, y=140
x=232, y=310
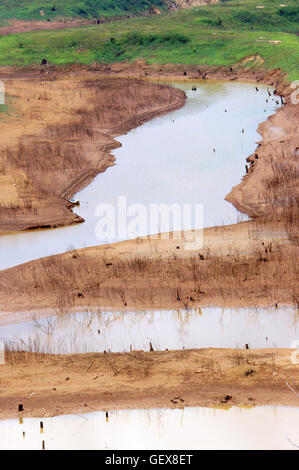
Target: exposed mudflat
x=50, y=385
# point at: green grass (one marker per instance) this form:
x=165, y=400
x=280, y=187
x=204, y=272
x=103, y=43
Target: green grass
x=53, y=9
x=220, y=34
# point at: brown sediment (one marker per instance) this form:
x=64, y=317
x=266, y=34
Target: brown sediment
x=50, y=385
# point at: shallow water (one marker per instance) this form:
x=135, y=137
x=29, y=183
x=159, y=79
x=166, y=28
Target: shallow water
x=189, y=428
x=167, y=160
x=118, y=332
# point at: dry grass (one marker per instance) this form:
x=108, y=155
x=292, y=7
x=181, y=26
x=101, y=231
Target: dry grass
x=282, y=196
x=266, y=276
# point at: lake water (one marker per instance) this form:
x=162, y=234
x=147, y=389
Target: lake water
x=194, y=155
x=121, y=331
x=199, y=428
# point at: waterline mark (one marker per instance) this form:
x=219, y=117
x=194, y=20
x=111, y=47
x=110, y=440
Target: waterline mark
x=124, y=221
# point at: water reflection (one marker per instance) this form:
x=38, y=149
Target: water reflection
x=124, y=331
x=191, y=428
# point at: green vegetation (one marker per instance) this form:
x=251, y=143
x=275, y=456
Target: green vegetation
x=221, y=34
x=54, y=9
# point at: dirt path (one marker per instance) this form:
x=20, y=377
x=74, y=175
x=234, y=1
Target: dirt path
x=20, y=26
x=50, y=385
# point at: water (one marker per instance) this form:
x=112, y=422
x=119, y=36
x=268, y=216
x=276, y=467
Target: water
x=167, y=160
x=260, y=428
x=119, y=331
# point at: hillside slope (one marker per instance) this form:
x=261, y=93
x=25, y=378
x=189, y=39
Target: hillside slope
x=230, y=33
x=50, y=10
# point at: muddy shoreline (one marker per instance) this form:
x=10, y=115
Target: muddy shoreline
x=49, y=385
x=35, y=194
x=241, y=196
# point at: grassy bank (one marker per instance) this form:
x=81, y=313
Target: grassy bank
x=222, y=34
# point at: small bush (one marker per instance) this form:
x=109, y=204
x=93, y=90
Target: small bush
x=246, y=16
x=210, y=21
x=140, y=39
